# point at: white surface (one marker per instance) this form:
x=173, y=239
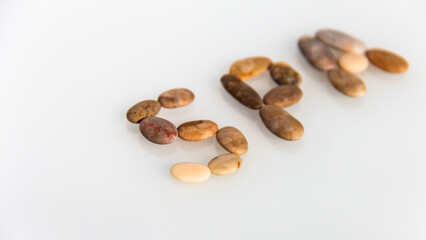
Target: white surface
x=72, y=167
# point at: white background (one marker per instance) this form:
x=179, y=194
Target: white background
x=72, y=167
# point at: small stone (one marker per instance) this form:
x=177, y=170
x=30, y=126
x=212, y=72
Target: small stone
x=158, y=130
x=284, y=74
x=348, y=84
x=353, y=62
x=317, y=53
x=140, y=110
x=342, y=41
x=190, y=172
x=197, y=130
x=174, y=98
x=232, y=140
x=281, y=123
x=387, y=60
x=241, y=91
x=225, y=164
x=250, y=67
x=283, y=96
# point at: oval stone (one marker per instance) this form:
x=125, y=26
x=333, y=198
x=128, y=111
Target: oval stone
x=340, y=40
x=349, y=84
x=387, y=60
x=281, y=123
x=232, y=140
x=158, y=130
x=353, y=62
x=241, y=91
x=225, y=164
x=284, y=74
x=197, y=130
x=190, y=172
x=140, y=110
x=283, y=96
x=317, y=53
x=250, y=67
x=174, y=98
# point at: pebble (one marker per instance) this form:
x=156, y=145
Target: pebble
x=342, y=41
x=225, y=164
x=281, y=123
x=284, y=74
x=250, y=67
x=283, y=96
x=232, y=140
x=347, y=83
x=158, y=130
x=387, y=60
x=317, y=53
x=190, y=172
x=353, y=62
x=241, y=91
x=197, y=130
x=174, y=98
x=140, y=110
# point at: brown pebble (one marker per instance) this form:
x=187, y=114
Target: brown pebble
x=225, y=164
x=283, y=96
x=197, y=130
x=241, y=91
x=353, y=62
x=342, y=41
x=232, y=140
x=140, y=110
x=387, y=60
x=317, y=53
x=281, y=123
x=158, y=130
x=347, y=83
x=284, y=74
x=174, y=98
x=250, y=67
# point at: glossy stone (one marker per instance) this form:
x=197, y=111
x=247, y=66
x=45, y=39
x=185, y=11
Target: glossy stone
x=347, y=83
x=284, y=74
x=232, y=140
x=281, y=123
x=317, y=53
x=158, y=130
x=387, y=60
x=225, y=164
x=197, y=130
x=353, y=62
x=283, y=96
x=175, y=98
x=340, y=40
x=190, y=172
x=250, y=67
x=241, y=91
x=140, y=110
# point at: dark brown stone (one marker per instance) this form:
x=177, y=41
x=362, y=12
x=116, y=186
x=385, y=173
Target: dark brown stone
x=158, y=130
x=281, y=123
x=387, y=60
x=174, y=98
x=283, y=96
x=317, y=53
x=241, y=91
x=140, y=110
x=347, y=83
x=340, y=40
x=197, y=130
x=284, y=74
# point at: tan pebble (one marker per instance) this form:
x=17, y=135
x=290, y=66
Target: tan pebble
x=281, y=123
x=283, y=96
x=341, y=40
x=348, y=84
x=177, y=97
x=140, y=110
x=190, y=172
x=232, y=140
x=284, y=74
x=250, y=67
x=353, y=62
x=387, y=60
x=317, y=53
x=241, y=91
x=225, y=164
x=197, y=130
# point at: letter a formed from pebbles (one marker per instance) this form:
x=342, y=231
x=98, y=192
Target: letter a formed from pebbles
x=342, y=41
x=387, y=60
x=317, y=53
x=250, y=67
x=158, y=130
x=283, y=96
x=225, y=164
x=281, y=123
x=197, y=130
x=190, y=172
x=241, y=91
x=232, y=140
x=346, y=83
x=174, y=98
x=140, y=110
x=284, y=74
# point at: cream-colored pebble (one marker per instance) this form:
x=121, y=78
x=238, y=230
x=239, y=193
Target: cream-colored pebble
x=225, y=164
x=353, y=62
x=190, y=172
